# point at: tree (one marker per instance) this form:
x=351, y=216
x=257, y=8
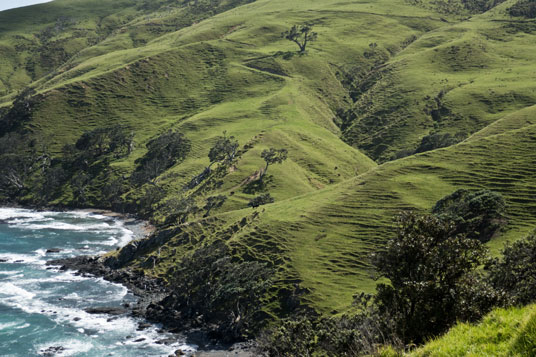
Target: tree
x=162, y=153
x=214, y=202
x=301, y=35
x=224, y=150
x=523, y=8
x=433, y=279
x=213, y=287
x=478, y=214
x=178, y=209
x=514, y=274
x=21, y=111
x=273, y=156
x=261, y=200
x=15, y=170
x=102, y=141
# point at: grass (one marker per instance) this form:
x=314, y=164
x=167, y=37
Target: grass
x=503, y=332
x=169, y=68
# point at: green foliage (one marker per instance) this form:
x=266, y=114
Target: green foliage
x=117, y=139
x=163, y=152
x=178, y=209
x=431, y=270
x=20, y=112
x=524, y=8
x=260, y=200
x=359, y=334
x=480, y=5
x=214, y=202
x=212, y=286
x=478, y=214
x=224, y=150
x=273, y=156
x=435, y=141
x=514, y=273
x=301, y=35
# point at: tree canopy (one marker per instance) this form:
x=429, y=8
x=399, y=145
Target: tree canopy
x=301, y=35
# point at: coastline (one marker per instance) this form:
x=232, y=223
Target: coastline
x=152, y=293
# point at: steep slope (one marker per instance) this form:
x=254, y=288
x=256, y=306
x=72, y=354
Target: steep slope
x=504, y=332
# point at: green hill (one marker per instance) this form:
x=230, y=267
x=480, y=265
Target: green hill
x=397, y=104
x=504, y=332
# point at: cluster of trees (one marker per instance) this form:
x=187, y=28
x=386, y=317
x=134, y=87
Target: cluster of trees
x=524, y=8
x=214, y=288
x=222, y=155
x=457, y=7
x=437, y=140
x=433, y=265
x=480, y=5
x=163, y=152
x=20, y=112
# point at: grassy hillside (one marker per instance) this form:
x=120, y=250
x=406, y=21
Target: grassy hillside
x=504, y=332
x=384, y=78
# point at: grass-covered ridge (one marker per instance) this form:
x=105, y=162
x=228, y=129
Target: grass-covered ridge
x=384, y=78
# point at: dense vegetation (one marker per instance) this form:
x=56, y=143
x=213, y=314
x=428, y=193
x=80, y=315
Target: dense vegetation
x=272, y=142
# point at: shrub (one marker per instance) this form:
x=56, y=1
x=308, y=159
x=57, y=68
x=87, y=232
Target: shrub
x=431, y=269
x=162, y=153
x=514, y=274
x=478, y=214
x=20, y=112
x=261, y=200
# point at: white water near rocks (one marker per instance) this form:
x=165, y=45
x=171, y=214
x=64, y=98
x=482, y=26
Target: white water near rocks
x=42, y=310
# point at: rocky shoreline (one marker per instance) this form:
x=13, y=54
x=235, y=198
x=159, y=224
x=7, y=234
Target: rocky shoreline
x=154, y=304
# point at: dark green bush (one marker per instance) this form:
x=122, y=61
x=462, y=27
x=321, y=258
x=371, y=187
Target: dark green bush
x=261, y=200
x=514, y=274
x=431, y=270
x=163, y=152
x=524, y=8
x=477, y=214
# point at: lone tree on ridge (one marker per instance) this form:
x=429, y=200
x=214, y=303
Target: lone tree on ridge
x=301, y=35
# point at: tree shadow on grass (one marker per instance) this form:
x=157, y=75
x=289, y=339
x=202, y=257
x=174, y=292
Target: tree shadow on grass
x=260, y=185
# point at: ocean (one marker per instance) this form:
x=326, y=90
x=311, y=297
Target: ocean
x=42, y=309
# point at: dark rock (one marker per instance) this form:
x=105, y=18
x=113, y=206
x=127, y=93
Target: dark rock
x=3, y=260
x=53, y=250
x=110, y=310
x=52, y=351
x=166, y=341
x=77, y=319
x=143, y=326
x=140, y=339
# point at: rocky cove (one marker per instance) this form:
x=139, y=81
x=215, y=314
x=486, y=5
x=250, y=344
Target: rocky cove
x=155, y=300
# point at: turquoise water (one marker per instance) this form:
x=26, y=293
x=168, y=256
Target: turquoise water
x=42, y=308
